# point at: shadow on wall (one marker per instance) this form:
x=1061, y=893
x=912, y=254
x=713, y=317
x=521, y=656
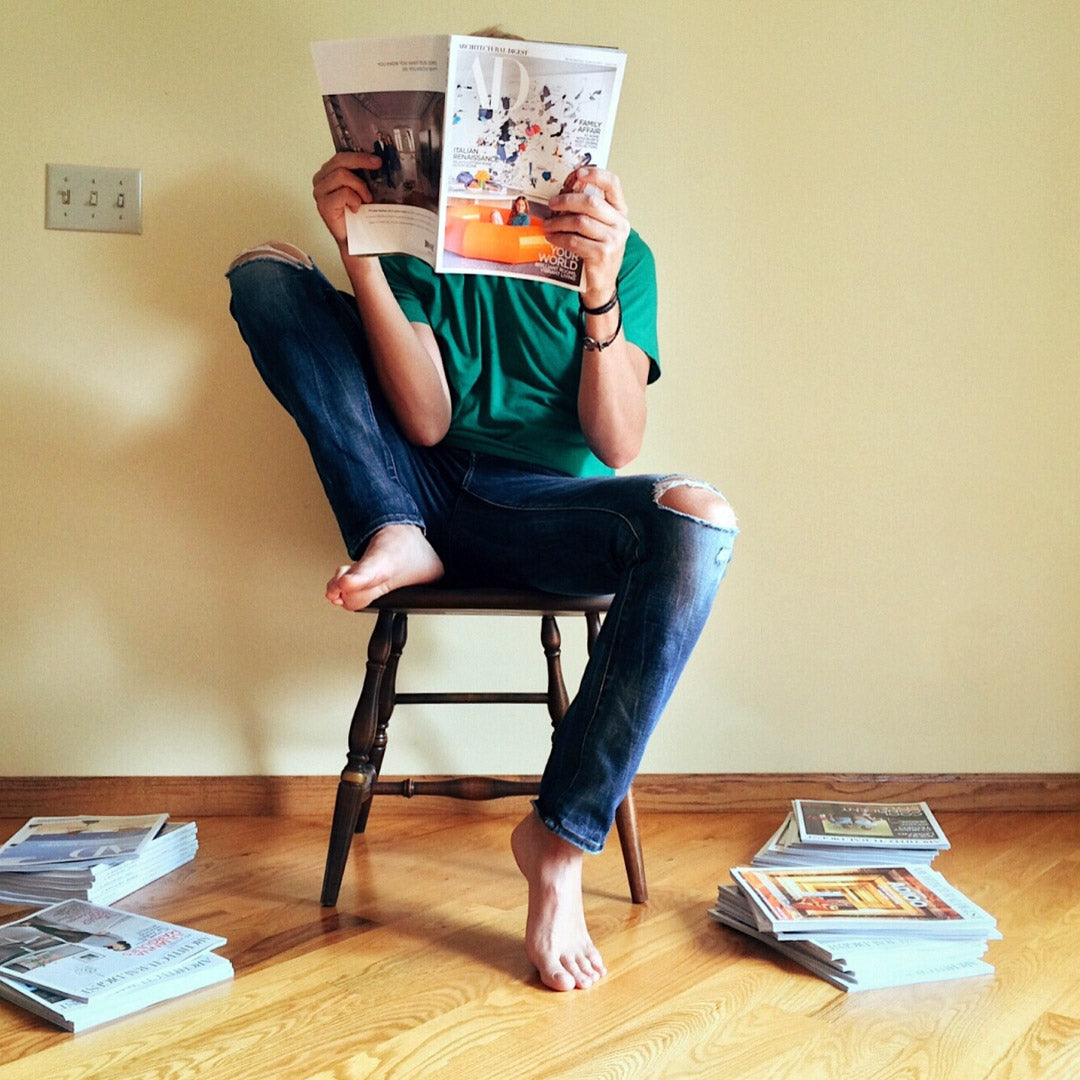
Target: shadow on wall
x=172, y=567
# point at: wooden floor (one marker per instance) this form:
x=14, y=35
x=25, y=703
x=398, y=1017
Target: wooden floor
x=419, y=972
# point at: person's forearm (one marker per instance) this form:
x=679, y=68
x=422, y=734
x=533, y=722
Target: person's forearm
x=409, y=370
x=611, y=394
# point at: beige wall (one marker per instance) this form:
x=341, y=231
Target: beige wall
x=866, y=222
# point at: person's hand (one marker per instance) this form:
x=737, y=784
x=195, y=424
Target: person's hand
x=589, y=218
x=336, y=188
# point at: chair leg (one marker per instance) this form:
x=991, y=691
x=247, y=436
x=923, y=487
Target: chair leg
x=630, y=842
x=350, y=794
x=557, y=699
x=399, y=633
x=592, y=627
x=358, y=776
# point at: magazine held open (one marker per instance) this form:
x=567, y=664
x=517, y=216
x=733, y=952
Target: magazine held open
x=474, y=136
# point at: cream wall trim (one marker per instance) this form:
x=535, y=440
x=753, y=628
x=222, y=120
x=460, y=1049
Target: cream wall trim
x=297, y=796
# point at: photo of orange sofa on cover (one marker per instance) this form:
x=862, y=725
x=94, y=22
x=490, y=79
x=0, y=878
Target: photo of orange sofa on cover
x=472, y=234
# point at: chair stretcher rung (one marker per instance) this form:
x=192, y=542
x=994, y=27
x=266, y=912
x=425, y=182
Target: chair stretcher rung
x=470, y=699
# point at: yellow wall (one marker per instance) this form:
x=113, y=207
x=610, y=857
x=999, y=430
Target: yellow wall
x=866, y=222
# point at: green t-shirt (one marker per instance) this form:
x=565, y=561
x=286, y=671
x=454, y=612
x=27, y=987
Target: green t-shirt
x=512, y=352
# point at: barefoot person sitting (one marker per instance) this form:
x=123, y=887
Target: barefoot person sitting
x=466, y=429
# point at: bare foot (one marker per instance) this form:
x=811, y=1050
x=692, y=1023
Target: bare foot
x=397, y=555
x=556, y=938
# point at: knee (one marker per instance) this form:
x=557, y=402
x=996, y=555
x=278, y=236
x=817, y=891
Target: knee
x=695, y=499
x=265, y=283
x=273, y=251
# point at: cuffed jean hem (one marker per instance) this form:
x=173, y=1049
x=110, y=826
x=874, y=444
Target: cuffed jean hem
x=590, y=847
x=356, y=548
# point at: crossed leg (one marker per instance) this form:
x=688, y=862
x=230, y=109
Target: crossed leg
x=557, y=939
x=396, y=555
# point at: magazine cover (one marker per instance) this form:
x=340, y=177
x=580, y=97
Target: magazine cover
x=56, y=842
x=521, y=116
x=385, y=96
x=868, y=824
x=840, y=898
x=84, y=950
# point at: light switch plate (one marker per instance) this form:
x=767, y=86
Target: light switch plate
x=93, y=198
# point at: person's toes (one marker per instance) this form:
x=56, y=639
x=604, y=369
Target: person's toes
x=583, y=972
x=333, y=586
x=556, y=977
x=595, y=962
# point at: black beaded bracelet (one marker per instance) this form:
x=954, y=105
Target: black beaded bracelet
x=590, y=343
x=603, y=309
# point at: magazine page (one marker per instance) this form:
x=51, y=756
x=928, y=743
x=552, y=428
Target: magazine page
x=57, y=842
x=385, y=96
x=914, y=898
x=520, y=117
x=868, y=824
x=82, y=950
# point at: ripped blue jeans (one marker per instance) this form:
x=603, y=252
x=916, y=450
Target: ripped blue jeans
x=497, y=522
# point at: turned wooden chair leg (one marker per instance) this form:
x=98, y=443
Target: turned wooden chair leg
x=557, y=699
x=350, y=794
x=358, y=777
x=399, y=633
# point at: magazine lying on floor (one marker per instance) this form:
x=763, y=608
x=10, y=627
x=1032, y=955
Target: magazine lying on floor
x=51, y=843
x=106, y=881
x=474, y=136
x=859, y=924
x=85, y=951
x=204, y=969
x=889, y=843
x=853, y=961
x=868, y=825
x=915, y=899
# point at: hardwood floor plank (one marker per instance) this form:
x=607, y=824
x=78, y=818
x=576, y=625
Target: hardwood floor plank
x=1049, y=1048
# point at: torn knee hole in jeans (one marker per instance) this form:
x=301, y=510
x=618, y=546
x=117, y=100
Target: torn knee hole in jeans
x=682, y=495
x=276, y=251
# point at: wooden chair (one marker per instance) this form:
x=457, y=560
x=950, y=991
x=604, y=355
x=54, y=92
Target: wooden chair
x=368, y=732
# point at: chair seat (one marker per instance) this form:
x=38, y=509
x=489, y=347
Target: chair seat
x=437, y=600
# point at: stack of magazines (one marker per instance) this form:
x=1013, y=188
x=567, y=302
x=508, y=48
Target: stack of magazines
x=79, y=965
x=99, y=859
x=860, y=919
x=816, y=832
